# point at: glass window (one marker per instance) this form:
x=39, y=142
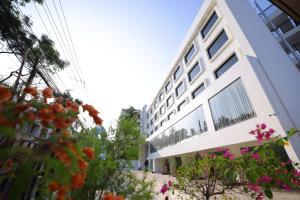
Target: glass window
x=180, y=89
x=156, y=116
x=156, y=127
x=147, y=115
x=217, y=44
x=155, y=104
x=231, y=106
x=151, y=121
x=209, y=24
x=194, y=72
x=177, y=73
x=192, y=124
x=162, y=122
x=168, y=86
x=151, y=111
x=198, y=90
x=188, y=56
x=170, y=101
x=170, y=115
x=162, y=109
x=181, y=105
x=161, y=96
x=147, y=125
x=226, y=65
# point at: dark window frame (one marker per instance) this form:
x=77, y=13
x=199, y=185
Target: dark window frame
x=178, y=75
x=208, y=23
x=170, y=97
x=224, y=64
x=202, y=85
x=210, y=55
x=179, y=107
x=176, y=89
x=194, y=67
x=187, y=54
x=166, y=87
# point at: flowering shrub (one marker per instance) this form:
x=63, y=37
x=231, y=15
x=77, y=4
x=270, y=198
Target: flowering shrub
x=256, y=171
x=37, y=149
x=166, y=188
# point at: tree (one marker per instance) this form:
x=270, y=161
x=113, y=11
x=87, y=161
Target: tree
x=34, y=52
x=114, y=150
x=256, y=172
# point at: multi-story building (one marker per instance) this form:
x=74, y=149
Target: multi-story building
x=284, y=28
x=229, y=74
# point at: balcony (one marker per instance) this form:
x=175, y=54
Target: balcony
x=269, y=11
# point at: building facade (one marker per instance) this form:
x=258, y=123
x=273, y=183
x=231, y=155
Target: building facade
x=284, y=28
x=229, y=74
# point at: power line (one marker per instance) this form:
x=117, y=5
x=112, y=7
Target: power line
x=60, y=37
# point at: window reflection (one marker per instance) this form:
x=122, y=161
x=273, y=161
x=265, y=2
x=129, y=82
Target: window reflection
x=192, y=124
x=231, y=106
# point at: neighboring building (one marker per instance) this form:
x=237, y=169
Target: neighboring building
x=280, y=24
x=230, y=74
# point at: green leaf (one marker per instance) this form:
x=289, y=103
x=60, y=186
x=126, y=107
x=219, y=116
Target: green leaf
x=22, y=180
x=7, y=132
x=268, y=193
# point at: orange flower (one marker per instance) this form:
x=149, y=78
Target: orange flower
x=78, y=180
x=75, y=107
x=98, y=120
x=110, y=196
x=62, y=156
x=57, y=107
x=53, y=186
x=69, y=104
x=5, y=94
x=62, y=191
x=21, y=107
x=47, y=93
x=31, y=90
x=82, y=164
x=45, y=114
x=89, y=152
x=9, y=163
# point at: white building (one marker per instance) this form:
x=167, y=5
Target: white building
x=230, y=74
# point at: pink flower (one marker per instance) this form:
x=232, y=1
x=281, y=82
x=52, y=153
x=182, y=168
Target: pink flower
x=265, y=179
x=164, y=189
x=278, y=182
x=296, y=173
x=252, y=132
x=263, y=126
x=245, y=150
x=253, y=187
x=212, y=156
x=229, y=155
x=219, y=149
x=286, y=186
x=170, y=183
x=271, y=130
x=255, y=156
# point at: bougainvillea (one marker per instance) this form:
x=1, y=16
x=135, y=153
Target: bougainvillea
x=257, y=170
x=37, y=147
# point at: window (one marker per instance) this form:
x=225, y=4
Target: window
x=170, y=101
x=226, y=65
x=162, y=122
x=198, y=90
x=148, y=125
x=217, y=44
x=168, y=86
x=231, y=106
x=155, y=116
x=190, y=53
x=180, y=89
x=192, y=124
x=151, y=121
x=147, y=115
x=161, y=96
x=194, y=72
x=177, y=73
x=162, y=109
x=151, y=132
x=156, y=127
x=209, y=24
x=155, y=104
x=170, y=115
x=181, y=105
x=151, y=111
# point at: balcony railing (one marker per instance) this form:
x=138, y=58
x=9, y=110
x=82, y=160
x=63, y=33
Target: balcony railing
x=287, y=25
x=269, y=11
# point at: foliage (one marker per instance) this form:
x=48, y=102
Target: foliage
x=114, y=151
x=256, y=171
x=39, y=156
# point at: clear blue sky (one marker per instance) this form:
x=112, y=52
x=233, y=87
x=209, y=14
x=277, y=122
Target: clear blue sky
x=125, y=47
